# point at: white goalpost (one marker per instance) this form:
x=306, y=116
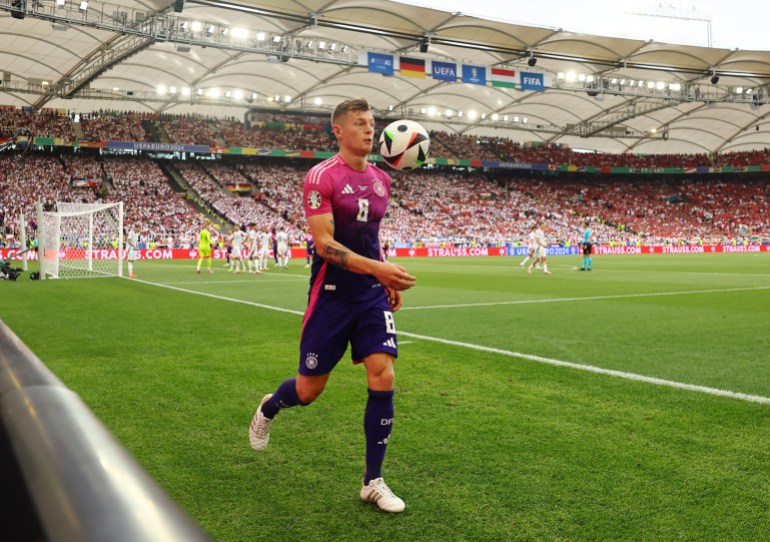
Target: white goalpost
x=81, y=240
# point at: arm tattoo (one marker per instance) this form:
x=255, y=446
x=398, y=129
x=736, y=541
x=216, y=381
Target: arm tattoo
x=337, y=255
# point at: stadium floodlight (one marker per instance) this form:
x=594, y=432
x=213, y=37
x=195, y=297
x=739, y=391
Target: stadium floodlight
x=287, y=98
x=322, y=45
x=571, y=77
x=460, y=114
x=333, y=46
x=238, y=95
x=581, y=77
x=60, y=3
x=749, y=91
x=185, y=91
x=240, y=33
x=211, y=29
x=261, y=36
x=83, y=5
x=495, y=117
x=423, y=111
x=161, y=90
x=650, y=85
x=483, y=116
x=524, y=120
x=213, y=93
x=560, y=75
x=676, y=87
x=199, y=92
x=277, y=98
x=449, y=113
x=172, y=90
x=317, y=100
x=253, y=95
x=739, y=90
x=614, y=81
x=516, y=119
x=660, y=85
x=277, y=38
x=225, y=31
x=196, y=26
x=472, y=115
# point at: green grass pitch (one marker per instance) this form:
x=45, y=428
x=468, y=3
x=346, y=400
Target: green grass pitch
x=492, y=441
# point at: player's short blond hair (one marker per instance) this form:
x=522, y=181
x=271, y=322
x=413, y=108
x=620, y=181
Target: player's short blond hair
x=353, y=104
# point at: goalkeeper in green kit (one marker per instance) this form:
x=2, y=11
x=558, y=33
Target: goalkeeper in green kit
x=204, y=246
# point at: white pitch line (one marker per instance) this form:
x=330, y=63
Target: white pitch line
x=599, y=370
x=539, y=359
x=590, y=298
x=220, y=297
x=268, y=280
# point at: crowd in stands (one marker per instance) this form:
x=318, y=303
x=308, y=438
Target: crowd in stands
x=428, y=206
x=107, y=126
x=236, y=209
x=458, y=146
x=190, y=129
x=32, y=177
x=148, y=200
x=46, y=123
x=86, y=167
x=298, y=137
x=305, y=132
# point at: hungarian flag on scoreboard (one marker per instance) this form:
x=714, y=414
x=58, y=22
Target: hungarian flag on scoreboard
x=412, y=67
x=503, y=78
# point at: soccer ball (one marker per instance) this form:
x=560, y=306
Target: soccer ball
x=404, y=145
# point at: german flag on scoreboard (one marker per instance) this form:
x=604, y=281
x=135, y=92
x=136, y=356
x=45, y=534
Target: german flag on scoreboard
x=412, y=67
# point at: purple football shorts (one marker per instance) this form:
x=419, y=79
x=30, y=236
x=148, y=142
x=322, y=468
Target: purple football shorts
x=329, y=326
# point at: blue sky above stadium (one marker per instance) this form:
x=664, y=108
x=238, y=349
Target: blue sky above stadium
x=733, y=24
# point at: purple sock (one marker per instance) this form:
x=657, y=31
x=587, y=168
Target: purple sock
x=378, y=421
x=284, y=397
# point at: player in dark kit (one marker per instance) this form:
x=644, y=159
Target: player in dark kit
x=587, y=246
x=353, y=294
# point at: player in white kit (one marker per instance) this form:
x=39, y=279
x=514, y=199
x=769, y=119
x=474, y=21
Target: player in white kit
x=236, y=258
x=282, y=240
x=263, y=252
x=252, y=250
x=132, y=243
x=541, y=249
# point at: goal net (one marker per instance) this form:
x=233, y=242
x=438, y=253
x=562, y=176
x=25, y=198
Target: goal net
x=81, y=240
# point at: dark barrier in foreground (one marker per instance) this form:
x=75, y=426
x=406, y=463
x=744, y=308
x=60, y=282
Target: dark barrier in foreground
x=83, y=485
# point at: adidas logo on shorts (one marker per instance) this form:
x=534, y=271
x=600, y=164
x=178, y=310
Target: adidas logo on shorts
x=390, y=342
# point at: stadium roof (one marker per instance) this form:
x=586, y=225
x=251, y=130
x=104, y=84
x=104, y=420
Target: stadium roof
x=72, y=58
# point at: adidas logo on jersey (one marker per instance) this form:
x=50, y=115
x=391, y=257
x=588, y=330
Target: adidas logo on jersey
x=390, y=342
x=348, y=189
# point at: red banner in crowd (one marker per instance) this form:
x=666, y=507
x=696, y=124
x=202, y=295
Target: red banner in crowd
x=217, y=254
x=670, y=249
